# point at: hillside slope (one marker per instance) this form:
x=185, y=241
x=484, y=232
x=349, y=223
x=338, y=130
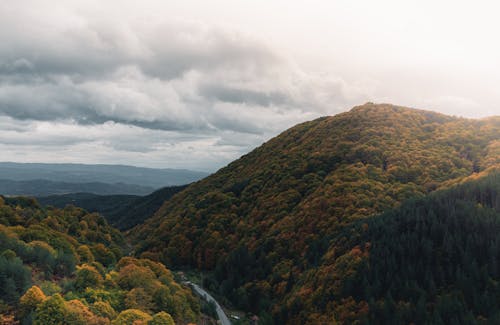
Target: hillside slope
x=264, y=226
x=434, y=260
x=67, y=267
x=121, y=211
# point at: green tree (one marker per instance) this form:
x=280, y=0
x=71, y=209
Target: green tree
x=79, y=314
x=28, y=303
x=9, y=254
x=14, y=278
x=129, y=316
x=103, y=255
x=138, y=298
x=51, y=312
x=85, y=254
x=162, y=318
x=103, y=309
x=132, y=276
x=87, y=276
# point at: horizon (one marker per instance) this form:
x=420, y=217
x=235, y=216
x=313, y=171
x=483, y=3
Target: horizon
x=98, y=164
x=197, y=85
x=210, y=171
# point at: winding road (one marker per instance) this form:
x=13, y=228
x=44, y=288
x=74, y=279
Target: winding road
x=220, y=312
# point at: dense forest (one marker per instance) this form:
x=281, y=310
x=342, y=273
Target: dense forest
x=266, y=228
x=434, y=260
x=121, y=211
x=68, y=267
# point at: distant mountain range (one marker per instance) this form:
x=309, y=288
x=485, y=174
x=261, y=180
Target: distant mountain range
x=39, y=179
x=42, y=187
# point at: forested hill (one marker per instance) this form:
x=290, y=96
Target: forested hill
x=266, y=225
x=68, y=267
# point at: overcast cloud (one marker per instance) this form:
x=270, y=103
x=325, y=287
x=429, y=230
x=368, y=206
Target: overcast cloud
x=191, y=86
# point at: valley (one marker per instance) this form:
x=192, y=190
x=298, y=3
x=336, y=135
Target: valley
x=121, y=211
x=380, y=215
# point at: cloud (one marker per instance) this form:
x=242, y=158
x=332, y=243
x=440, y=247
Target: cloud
x=164, y=75
x=228, y=94
x=169, y=92
x=113, y=142
x=116, y=82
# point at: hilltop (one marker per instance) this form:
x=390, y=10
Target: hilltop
x=266, y=226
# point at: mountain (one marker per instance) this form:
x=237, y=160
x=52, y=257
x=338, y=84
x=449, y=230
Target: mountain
x=28, y=179
x=121, y=211
x=38, y=187
x=266, y=228
x=69, y=267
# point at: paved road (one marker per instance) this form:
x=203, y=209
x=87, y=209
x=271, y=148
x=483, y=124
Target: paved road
x=220, y=313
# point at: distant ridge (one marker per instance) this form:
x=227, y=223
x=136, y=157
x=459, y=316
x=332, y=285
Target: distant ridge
x=41, y=187
x=40, y=179
x=121, y=211
x=82, y=173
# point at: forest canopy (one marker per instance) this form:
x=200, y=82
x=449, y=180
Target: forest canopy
x=265, y=226
x=68, y=267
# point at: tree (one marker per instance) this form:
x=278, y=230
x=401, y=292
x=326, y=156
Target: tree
x=51, y=312
x=138, y=298
x=132, y=276
x=103, y=309
x=79, y=314
x=129, y=316
x=14, y=278
x=28, y=303
x=162, y=318
x=9, y=254
x=85, y=254
x=103, y=255
x=43, y=255
x=164, y=300
x=87, y=276
x=33, y=297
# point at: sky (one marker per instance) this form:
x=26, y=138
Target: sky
x=196, y=84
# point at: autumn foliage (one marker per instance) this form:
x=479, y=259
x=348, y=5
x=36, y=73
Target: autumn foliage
x=66, y=267
x=264, y=227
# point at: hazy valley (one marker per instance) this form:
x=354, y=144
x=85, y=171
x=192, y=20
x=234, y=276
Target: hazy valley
x=37, y=179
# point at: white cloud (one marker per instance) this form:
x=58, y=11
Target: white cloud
x=176, y=84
